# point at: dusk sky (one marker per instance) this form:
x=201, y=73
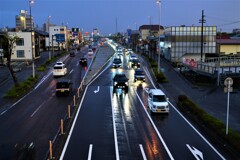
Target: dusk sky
x=102, y=14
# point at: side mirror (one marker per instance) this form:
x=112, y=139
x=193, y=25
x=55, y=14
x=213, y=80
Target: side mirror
x=167, y=99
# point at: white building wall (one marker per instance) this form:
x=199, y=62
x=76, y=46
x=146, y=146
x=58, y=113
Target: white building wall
x=26, y=47
x=53, y=30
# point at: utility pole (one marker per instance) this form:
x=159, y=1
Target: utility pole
x=32, y=38
x=202, y=20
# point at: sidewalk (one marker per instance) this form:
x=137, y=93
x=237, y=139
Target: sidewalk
x=212, y=99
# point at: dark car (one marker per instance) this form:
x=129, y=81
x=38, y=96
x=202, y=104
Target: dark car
x=120, y=81
x=139, y=75
x=83, y=61
x=117, y=62
x=135, y=63
x=63, y=87
x=72, y=54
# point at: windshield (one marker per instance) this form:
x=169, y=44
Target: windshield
x=139, y=72
x=58, y=67
x=159, y=98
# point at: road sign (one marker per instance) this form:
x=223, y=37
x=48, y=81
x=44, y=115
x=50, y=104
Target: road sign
x=60, y=37
x=228, y=80
x=226, y=89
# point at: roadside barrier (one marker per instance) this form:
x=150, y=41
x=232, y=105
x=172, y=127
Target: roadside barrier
x=50, y=151
x=69, y=112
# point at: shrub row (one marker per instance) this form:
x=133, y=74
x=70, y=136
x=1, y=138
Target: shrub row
x=213, y=125
x=18, y=91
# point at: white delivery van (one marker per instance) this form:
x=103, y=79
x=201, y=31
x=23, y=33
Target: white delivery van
x=157, y=101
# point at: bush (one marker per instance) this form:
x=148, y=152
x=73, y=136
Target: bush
x=213, y=125
x=23, y=88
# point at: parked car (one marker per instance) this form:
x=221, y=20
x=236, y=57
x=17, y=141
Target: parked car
x=157, y=101
x=63, y=87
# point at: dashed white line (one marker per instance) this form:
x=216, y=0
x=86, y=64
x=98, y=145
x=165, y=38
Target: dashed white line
x=37, y=109
x=71, y=71
x=142, y=151
x=114, y=129
x=90, y=152
x=155, y=128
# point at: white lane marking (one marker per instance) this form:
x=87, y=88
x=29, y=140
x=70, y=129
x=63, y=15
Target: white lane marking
x=142, y=151
x=96, y=91
x=37, y=109
x=71, y=71
x=43, y=79
x=73, y=125
x=195, y=152
x=90, y=152
x=155, y=128
x=187, y=121
x=149, y=77
x=114, y=129
x=196, y=131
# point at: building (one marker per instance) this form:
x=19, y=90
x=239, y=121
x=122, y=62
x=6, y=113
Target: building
x=147, y=31
x=57, y=37
x=182, y=42
x=24, y=21
x=23, y=51
x=228, y=47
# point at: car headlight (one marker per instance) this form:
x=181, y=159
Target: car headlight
x=153, y=106
x=115, y=83
x=126, y=83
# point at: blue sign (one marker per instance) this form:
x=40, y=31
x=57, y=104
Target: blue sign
x=60, y=37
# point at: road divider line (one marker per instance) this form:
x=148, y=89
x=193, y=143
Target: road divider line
x=196, y=130
x=182, y=117
x=142, y=151
x=90, y=152
x=37, y=109
x=71, y=71
x=155, y=128
x=73, y=125
x=114, y=128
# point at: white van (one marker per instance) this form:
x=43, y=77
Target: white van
x=157, y=101
x=59, y=69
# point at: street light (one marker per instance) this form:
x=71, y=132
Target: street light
x=49, y=54
x=32, y=34
x=159, y=47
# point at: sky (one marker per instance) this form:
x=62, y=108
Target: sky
x=111, y=16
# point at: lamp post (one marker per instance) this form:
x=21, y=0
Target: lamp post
x=49, y=54
x=159, y=21
x=32, y=34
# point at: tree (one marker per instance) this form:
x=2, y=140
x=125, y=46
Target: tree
x=8, y=42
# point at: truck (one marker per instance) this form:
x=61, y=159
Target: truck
x=120, y=81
